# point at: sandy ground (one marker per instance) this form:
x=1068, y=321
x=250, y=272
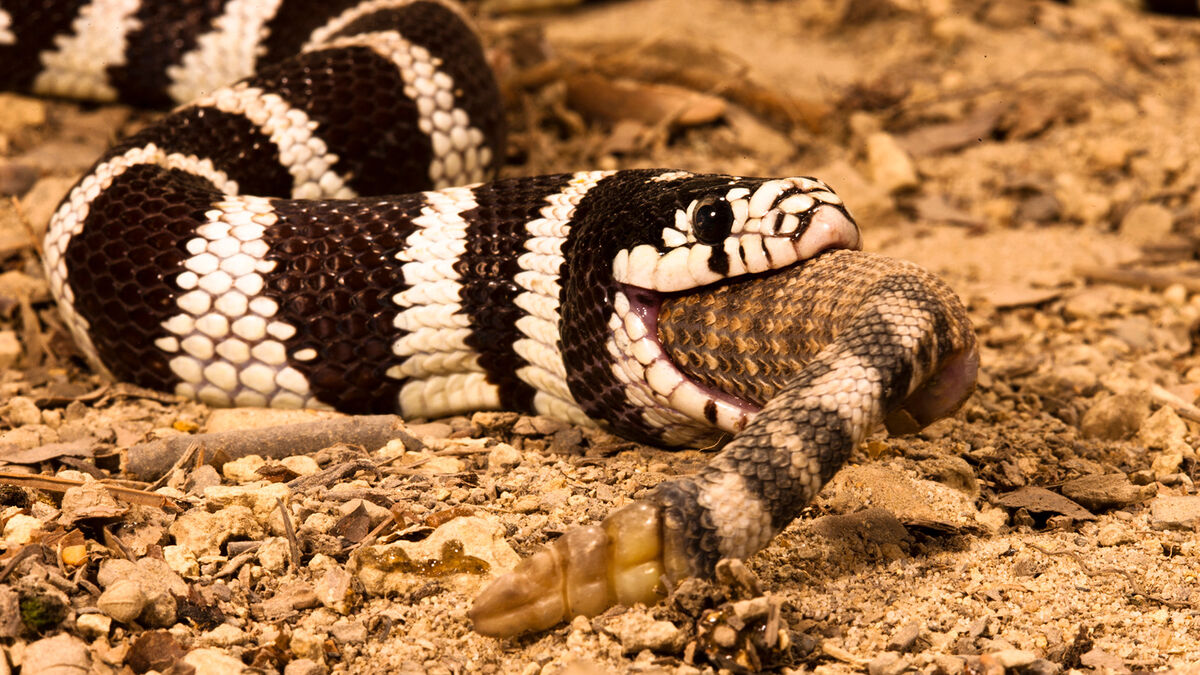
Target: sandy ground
x=1041, y=157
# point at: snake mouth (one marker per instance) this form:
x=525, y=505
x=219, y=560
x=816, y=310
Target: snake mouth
x=641, y=356
x=652, y=377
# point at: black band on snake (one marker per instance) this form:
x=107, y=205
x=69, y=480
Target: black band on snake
x=238, y=251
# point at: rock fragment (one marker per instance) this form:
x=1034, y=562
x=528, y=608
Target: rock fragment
x=638, y=630
x=1147, y=224
x=58, y=655
x=205, y=533
x=1116, y=417
x=905, y=637
x=209, y=661
x=891, y=167
x=469, y=546
x=1168, y=512
x=888, y=663
x=1105, y=491
x=144, y=591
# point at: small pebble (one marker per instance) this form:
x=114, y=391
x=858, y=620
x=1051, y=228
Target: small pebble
x=905, y=637
x=224, y=635
x=1113, y=534
x=891, y=167
x=124, y=600
x=307, y=643
x=301, y=465
x=1176, y=294
x=58, y=655
x=638, y=630
x=20, y=411
x=243, y=469
x=888, y=663
x=348, y=631
x=304, y=667
x=20, y=529
x=209, y=661
x=93, y=625
x=503, y=457
x=1147, y=223
x=1115, y=418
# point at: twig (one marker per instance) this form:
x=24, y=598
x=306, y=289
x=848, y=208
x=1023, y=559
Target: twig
x=148, y=461
x=234, y=564
x=290, y=532
x=25, y=552
x=179, y=464
x=1139, y=277
x=332, y=474
x=56, y=484
x=1182, y=407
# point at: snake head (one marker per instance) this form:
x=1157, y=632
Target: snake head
x=744, y=226
x=676, y=233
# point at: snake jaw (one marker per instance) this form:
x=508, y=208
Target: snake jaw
x=641, y=362
x=653, y=378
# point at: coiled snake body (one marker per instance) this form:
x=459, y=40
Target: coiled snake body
x=232, y=252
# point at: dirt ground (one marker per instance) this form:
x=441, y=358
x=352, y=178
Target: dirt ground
x=1041, y=157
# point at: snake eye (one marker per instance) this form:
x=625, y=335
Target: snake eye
x=712, y=220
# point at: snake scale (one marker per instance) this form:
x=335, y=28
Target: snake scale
x=318, y=234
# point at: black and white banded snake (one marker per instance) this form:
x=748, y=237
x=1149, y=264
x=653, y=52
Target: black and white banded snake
x=231, y=252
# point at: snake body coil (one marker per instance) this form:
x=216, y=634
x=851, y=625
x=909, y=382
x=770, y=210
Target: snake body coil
x=233, y=252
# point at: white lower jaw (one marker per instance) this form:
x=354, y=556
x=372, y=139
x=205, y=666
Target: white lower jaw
x=653, y=381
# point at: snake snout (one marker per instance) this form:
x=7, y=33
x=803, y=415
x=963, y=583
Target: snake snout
x=828, y=228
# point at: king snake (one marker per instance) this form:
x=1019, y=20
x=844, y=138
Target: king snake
x=237, y=251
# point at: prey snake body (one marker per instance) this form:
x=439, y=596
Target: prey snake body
x=237, y=252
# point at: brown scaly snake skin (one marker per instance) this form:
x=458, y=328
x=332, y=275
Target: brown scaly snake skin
x=837, y=346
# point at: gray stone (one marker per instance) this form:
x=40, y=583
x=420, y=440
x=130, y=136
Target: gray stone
x=304, y=667
x=1169, y=512
x=638, y=630
x=1117, y=417
x=58, y=655
x=905, y=637
x=1147, y=223
x=888, y=663
x=1106, y=491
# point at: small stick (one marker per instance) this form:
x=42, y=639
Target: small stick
x=56, y=484
x=293, y=545
x=186, y=457
x=148, y=461
x=1165, y=397
x=25, y=552
x=234, y=564
x=1139, y=277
